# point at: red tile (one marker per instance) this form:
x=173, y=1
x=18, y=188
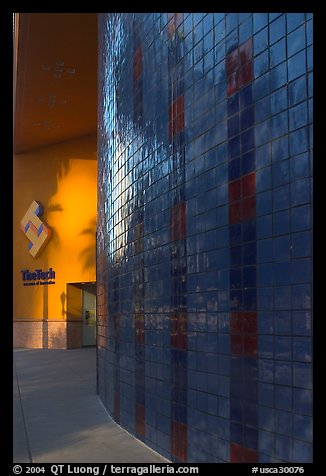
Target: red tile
x=245, y=52
x=232, y=62
x=236, y=344
x=235, y=212
x=249, y=208
x=176, y=116
x=140, y=419
x=232, y=83
x=137, y=63
x=236, y=453
x=250, y=322
x=248, y=183
x=174, y=20
x=179, y=440
x=246, y=74
x=236, y=322
x=235, y=190
x=250, y=345
x=250, y=456
x=178, y=221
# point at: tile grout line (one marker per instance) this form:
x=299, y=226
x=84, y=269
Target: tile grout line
x=23, y=415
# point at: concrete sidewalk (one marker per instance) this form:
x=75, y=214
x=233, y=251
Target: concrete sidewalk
x=58, y=417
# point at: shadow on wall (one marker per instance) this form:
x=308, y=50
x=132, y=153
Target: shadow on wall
x=87, y=255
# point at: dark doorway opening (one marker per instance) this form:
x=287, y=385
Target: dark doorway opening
x=81, y=314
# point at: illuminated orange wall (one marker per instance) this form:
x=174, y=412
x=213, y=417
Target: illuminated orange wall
x=63, y=178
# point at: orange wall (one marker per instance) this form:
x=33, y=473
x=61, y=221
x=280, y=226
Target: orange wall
x=63, y=178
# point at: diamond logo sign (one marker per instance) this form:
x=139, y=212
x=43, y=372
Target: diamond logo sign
x=36, y=230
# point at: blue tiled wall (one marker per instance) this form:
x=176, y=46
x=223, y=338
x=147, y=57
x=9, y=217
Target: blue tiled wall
x=177, y=264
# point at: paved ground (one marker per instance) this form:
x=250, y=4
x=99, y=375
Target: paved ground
x=58, y=417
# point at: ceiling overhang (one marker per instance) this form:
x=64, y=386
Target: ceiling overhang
x=55, y=78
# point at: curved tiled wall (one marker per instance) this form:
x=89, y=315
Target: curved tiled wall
x=204, y=233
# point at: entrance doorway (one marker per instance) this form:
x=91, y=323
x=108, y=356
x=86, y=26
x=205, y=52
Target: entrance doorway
x=81, y=312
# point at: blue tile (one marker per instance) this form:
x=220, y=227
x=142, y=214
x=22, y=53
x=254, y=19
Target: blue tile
x=265, y=322
x=260, y=41
x=262, y=109
x=277, y=53
x=279, y=124
x=283, y=398
x=236, y=433
x=265, y=274
x=266, y=418
x=264, y=226
x=299, y=166
x=249, y=253
x=233, y=104
x=278, y=76
x=279, y=100
x=277, y=29
x=296, y=65
x=302, y=452
x=301, y=244
x=248, y=162
x=264, y=203
x=302, y=427
x=266, y=347
x=283, y=448
x=293, y=20
x=296, y=41
x=302, y=375
x=231, y=22
x=246, y=96
x=302, y=349
x=298, y=116
x=262, y=86
x=280, y=149
x=265, y=298
x=266, y=443
x=302, y=401
x=249, y=299
x=249, y=276
x=283, y=423
x=283, y=373
x=264, y=251
x=283, y=322
x=261, y=64
x=309, y=32
x=280, y=173
x=282, y=347
x=236, y=278
x=282, y=248
x=282, y=273
x=281, y=222
x=266, y=394
x=224, y=407
x=297, y=91
x=247, y=118
x=247, y=140
x=263, y=179
x=300, y=218
x=301, y=270
x=245, y=29
x=263, y=156
x=301, y=323
x=250, y=439
x=233, y=129
x=260, y=20
x=300, y=192
x=234, y=169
